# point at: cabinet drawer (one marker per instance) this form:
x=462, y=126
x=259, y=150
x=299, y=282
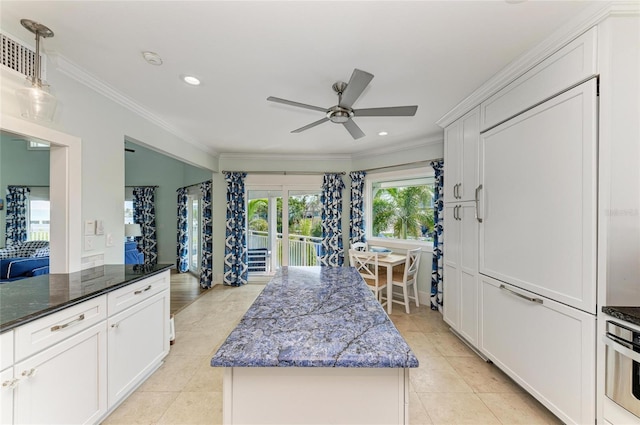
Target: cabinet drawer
x=570, y=65
x=49, y=330
x=136, y=292
x=545, y=346
x=6, y=350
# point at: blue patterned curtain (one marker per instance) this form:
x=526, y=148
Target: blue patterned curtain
x=235, y=244
x=144, y=213
x=332, y=251
x=183, y=231
x=356, y=219
x=206, y=267
x=438, y=226
x=16, y=218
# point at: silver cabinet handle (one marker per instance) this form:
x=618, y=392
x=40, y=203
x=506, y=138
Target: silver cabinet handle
x=458, y=190
x=142, y=290
x=458, y=212
x=59, y=327
x=115, y=325
x=533, y=300
x=477, y=201
x=29, y=373
x=10, y=384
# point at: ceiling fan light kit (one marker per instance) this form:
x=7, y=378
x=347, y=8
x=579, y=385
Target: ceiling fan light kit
x=343, y=113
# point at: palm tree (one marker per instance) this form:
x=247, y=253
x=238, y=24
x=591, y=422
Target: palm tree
x=405, y=209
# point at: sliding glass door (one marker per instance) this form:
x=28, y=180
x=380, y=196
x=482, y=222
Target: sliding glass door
x=194, y=223
x=283, y=223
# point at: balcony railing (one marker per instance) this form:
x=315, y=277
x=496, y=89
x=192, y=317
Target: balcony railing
x=303, y=250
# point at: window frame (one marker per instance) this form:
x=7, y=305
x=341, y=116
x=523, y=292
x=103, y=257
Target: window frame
x=370, y=179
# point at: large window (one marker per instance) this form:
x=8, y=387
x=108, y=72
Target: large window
x=399, y=206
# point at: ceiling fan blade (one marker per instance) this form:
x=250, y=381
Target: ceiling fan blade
x=357, y=83
x=353, y=129
x=298, y=104
x=393, y=111
x=308, y=126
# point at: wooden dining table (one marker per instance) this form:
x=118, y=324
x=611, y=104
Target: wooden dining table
x=389, y=261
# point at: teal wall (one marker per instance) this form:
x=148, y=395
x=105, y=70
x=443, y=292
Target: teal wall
x=19, y=166
x=145, y=167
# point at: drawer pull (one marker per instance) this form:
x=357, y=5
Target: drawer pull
x=10, y=384
x=478, y=200
x=59, y=327
x=29, y=373
x=533, y=300
x=140, y=291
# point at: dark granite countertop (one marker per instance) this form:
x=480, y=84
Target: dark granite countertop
x=25, y=300
x=629, y=314
x=316, y=317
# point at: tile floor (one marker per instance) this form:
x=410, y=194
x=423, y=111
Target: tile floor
x=451, y=386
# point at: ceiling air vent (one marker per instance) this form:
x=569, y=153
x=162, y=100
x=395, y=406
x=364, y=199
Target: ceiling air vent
x=19, y=57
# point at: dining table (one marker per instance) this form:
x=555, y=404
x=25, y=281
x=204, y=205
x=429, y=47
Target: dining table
x=389, y=261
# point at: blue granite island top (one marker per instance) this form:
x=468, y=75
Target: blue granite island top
x=315, y=317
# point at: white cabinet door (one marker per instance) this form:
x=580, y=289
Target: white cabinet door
x=65, y=384
x=545, y=346
x=7, y=383
x=460, y=285
x=538, y=172
x=461, y=158
x=451, y=264
x=138, y=341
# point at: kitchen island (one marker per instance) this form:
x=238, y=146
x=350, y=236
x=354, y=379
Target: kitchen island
x=315, y=347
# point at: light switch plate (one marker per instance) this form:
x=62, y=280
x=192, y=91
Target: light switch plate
x=89, y=227
x=99, y=227
x=89, y=243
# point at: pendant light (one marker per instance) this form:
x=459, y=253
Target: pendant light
x=35, y=100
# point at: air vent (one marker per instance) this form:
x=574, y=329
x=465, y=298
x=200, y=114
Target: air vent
x=20, y=58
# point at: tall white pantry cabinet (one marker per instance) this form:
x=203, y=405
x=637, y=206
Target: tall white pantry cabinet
x=525, y=247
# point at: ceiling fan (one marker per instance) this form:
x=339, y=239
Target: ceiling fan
x=343, y=113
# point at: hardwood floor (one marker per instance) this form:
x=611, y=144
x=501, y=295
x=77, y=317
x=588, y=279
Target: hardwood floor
x=185, y=289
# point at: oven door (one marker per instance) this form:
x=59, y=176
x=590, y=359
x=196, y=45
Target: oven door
x=622, y=379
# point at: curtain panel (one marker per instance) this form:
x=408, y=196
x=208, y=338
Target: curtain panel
x=438, y=240
x=356, y=218
x=16, y=216
x=183, y=235
x=235, y=245
x=144, y=213
x=332, y=253
x=206, y=267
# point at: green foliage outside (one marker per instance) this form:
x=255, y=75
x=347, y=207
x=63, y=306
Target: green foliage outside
x=403, y=212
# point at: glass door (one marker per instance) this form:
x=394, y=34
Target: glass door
x=194, y=222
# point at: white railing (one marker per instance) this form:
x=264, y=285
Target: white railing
x=303, y=250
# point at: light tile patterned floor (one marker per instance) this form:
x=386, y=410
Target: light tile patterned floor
x=451, y=386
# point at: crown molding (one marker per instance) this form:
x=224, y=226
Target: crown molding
x=401, y=147
x=284, y=157
x=568, y=32
x=82, y=76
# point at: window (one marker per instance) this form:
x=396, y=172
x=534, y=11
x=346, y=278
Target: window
x=399, y=206
x=39, y=214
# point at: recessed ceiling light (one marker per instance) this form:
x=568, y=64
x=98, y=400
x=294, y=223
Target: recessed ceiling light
x=191, y=80
x=152, y=58
x=382, y=133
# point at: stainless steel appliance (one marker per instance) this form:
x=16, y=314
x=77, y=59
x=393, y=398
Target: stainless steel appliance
x=622, y=383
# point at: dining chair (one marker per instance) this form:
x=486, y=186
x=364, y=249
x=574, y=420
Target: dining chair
x=366, y=263
x=360, y=246
x=408, y=278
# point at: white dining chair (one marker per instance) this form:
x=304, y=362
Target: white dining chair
x=407, y=279
x=360, y=246
x=366, y=263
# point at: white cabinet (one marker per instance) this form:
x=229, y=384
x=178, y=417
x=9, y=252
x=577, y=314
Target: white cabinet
x=64, y=384
x=7, y=384
x=138, y=341
x=538, y=204
x=545, y=346
x=461, y=158
x=461, y=270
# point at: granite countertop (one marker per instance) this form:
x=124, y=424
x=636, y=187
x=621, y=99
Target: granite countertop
x=629, y=314
x=315, y=317
x=25, y=300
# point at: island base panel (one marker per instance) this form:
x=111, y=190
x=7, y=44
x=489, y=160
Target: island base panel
x=273, y=395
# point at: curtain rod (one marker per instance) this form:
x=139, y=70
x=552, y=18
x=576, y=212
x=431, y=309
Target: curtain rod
x=26, y=185
x=286, y=173
x=402, y=165
x=141, y=185
x=192, y=185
